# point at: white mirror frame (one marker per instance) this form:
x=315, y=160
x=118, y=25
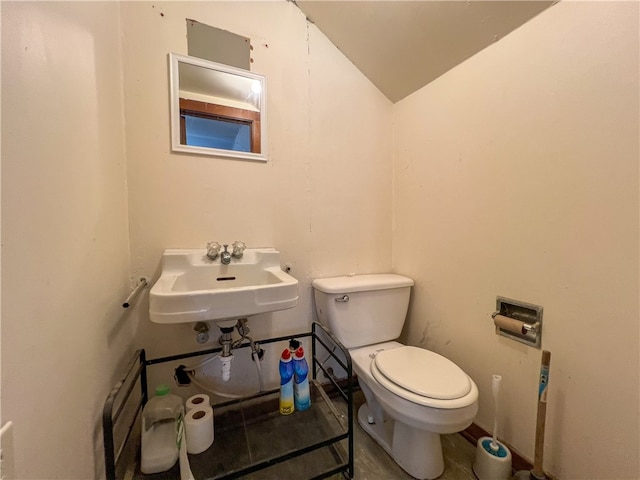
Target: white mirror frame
x=174, y=87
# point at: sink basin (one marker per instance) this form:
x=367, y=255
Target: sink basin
x=193, y=288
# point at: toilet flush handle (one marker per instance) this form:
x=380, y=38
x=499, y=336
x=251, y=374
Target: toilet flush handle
x=342, y=299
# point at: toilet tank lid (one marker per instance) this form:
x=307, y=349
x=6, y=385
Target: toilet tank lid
x=361, y=283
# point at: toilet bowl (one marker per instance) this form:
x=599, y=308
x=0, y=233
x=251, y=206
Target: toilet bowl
x=412, y=395
x=406, y=424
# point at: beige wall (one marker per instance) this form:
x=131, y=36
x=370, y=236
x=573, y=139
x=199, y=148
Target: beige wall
x=65, y=252
x=323, y=198
x=516, y=174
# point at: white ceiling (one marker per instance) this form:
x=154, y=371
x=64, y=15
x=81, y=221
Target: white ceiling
x=403, y=45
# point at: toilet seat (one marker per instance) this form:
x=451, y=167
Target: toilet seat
x=422, y=377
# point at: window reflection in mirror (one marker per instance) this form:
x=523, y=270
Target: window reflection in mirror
x=217, y=109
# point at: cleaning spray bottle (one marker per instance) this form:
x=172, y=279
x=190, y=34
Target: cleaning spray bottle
x=286, y=383
x=301, y=393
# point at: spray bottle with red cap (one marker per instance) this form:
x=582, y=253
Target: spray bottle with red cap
x=302, y=395
x=286, y=383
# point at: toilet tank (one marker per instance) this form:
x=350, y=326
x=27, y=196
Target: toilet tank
x=363, y=309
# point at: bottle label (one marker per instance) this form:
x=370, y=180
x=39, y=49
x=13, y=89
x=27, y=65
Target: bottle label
x=301, y=386
x=302, y=395
x=286, y=398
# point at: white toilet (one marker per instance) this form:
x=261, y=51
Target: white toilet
x=412, y=395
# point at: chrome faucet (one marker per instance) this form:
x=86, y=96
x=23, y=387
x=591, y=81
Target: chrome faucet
x=213, y=250
x=225, y=257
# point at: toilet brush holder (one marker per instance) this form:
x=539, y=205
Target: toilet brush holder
x=492, y=464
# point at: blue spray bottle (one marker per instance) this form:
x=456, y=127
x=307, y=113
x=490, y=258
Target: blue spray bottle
x=286, y=383
x=301, y=392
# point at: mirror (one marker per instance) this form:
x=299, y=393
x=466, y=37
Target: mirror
x=217, y=109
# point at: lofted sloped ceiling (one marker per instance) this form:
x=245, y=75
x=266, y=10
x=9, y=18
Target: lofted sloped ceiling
x=403, y=45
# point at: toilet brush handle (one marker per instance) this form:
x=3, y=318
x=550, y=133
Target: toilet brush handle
x=495, y=388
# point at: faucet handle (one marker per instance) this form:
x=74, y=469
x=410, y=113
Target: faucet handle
x=213, y=250
x=238, y=248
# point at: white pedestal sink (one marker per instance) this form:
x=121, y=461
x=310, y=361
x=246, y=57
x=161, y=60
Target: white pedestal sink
x=193, y=288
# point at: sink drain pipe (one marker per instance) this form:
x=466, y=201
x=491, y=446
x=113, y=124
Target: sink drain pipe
x=226, y=356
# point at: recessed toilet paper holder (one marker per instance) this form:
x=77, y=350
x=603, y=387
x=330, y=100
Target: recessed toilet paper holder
x=519, y=321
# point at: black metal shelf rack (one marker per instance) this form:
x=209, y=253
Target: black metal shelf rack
x=330, y=429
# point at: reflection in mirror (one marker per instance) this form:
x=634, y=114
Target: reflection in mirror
x=217, y=109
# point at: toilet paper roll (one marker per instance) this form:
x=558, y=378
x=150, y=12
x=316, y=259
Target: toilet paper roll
x=198, y=401
x=509, y=324
x=199, y=429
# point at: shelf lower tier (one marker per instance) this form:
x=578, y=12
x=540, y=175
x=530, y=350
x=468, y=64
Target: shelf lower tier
x=252, y=440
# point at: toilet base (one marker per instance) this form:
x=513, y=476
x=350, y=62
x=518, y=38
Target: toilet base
x=418, y=452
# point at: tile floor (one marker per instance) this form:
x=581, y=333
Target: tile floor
x=373, y=463
x=250, y=434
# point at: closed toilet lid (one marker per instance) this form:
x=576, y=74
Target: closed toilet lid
x=423, y=372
